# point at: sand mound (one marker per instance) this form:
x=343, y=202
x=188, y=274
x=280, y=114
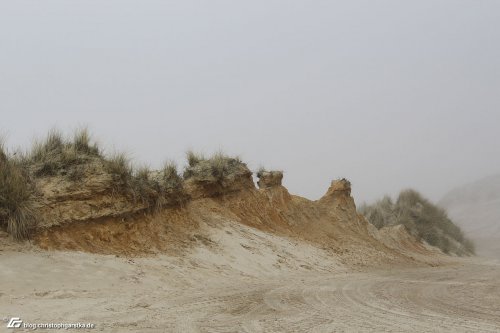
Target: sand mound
x=89, y=217
x=86, y=201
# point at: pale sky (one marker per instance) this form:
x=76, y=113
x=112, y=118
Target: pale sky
x=390, y=94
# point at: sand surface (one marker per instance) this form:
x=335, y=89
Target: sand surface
x=250, y=282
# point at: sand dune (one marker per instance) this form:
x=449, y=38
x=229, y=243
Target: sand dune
x=230, y=257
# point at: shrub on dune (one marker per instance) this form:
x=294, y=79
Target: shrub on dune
x=16, y=213
x=212, y=170
x=422, y=219
x=57, y=155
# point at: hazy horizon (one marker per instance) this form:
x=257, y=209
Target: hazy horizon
x=390, y=95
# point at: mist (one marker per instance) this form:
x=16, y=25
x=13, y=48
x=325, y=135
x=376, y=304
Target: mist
x=388, y=94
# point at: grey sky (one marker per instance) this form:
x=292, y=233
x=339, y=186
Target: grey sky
x=390, y=94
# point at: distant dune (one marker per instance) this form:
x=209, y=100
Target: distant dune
x=475, y=207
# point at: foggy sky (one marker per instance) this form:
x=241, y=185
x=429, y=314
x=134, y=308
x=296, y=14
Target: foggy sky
x=390, y=94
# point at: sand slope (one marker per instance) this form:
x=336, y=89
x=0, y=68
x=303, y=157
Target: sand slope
x=250, y=281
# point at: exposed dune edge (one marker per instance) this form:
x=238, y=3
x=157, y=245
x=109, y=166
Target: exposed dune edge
x=87, y=216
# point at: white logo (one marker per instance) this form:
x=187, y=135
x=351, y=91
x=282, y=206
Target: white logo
x=14, y=322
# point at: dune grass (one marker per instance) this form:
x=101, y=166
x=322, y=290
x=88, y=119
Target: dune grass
x=118, y=165
x=152, y=188
x=16, y=212
x=194, y=158
x=215, y=169
x=422, y=219
x=170, y=176
x=55, y=154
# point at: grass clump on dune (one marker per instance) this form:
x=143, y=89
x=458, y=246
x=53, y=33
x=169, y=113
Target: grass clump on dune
x=57, y=155
x=136, y=183
x=170, y=186
x=82, y=143
x=153, y=188
x=422, y=219
x=16, y=212
x=194, y=158
x=216, y=175
x=215, y=169
x=119, y=167
x=170, y=177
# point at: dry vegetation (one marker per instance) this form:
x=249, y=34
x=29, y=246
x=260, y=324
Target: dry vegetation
x=16, y=213
x=56, y=155
x=422, y=219
x=215, y=170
